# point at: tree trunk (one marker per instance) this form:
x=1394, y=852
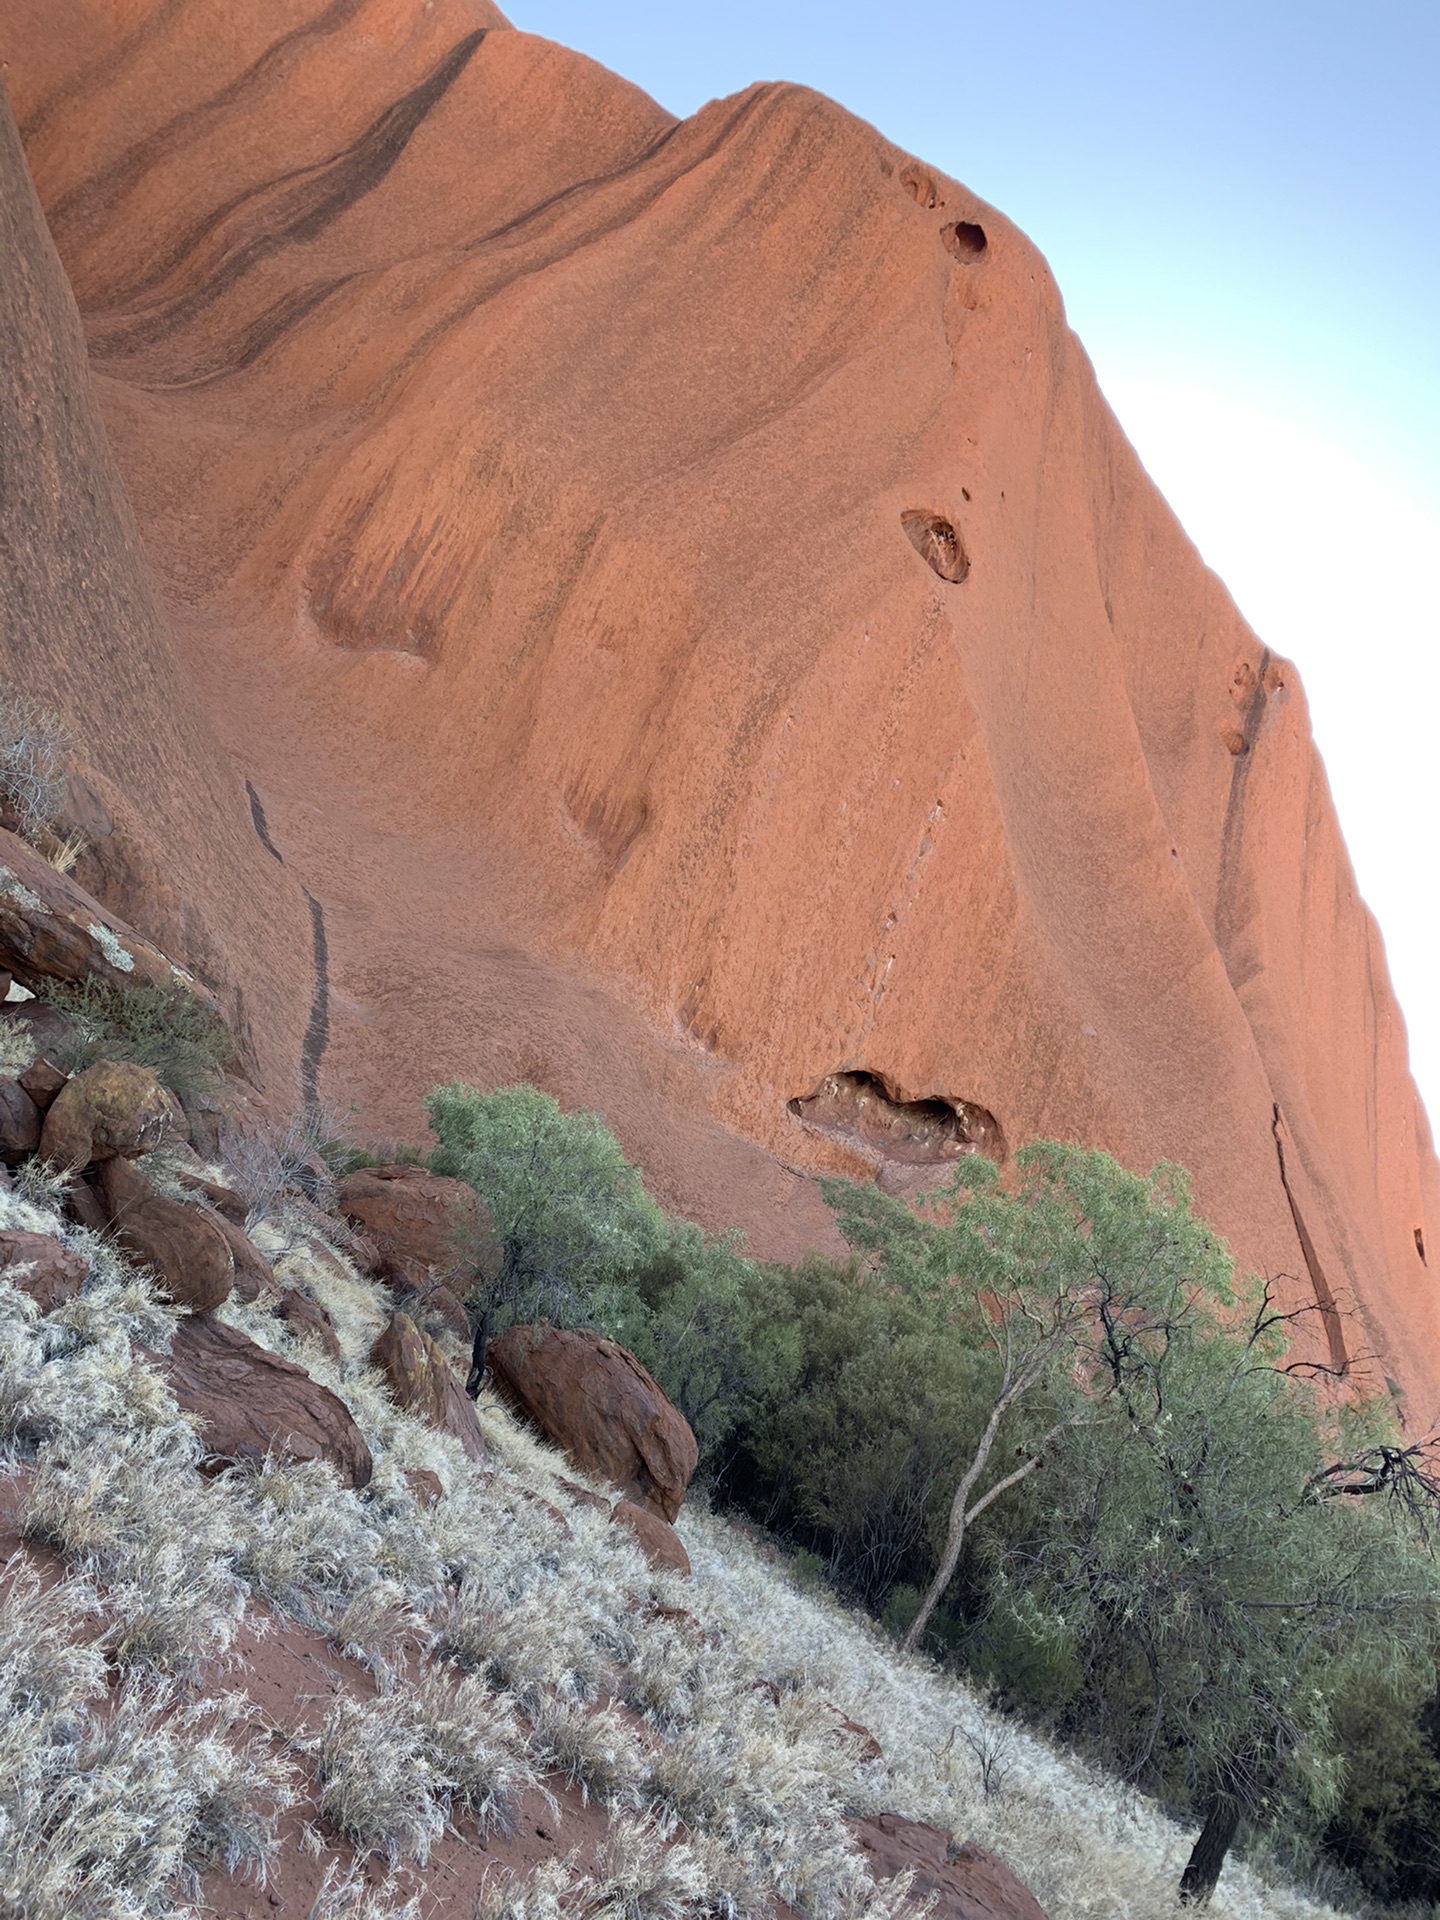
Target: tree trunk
x=477, y=1355
x=1207, y=1856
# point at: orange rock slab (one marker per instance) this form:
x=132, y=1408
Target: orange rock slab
x=696, y=630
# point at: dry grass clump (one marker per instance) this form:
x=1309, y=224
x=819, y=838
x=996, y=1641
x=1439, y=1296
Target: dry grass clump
x=141, y=1522
x=107, y=1801
x=392, y=1770
x=473, y=1738
x=378, y=1785
x=346, y=1894
x=589, y=1748
x=529, y=1647
x=32, y=782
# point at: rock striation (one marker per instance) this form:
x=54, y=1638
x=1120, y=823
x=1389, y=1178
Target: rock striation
x=700, y=641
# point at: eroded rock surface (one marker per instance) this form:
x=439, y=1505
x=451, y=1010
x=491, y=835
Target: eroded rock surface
x=732, y=665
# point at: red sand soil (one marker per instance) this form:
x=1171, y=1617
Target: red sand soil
x=695, y=630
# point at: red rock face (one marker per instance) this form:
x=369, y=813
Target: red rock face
x=696, y=632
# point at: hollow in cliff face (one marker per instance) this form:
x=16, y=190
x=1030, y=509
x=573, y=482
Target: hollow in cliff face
x=910, y=1143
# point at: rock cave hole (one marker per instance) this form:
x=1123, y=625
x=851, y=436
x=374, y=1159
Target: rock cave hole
x=964, y=240
x=1420, y=1246
x=860, y=1109
x=937, y=543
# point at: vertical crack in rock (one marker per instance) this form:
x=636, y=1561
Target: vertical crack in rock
x=1324, y=1298
x=317, y=1032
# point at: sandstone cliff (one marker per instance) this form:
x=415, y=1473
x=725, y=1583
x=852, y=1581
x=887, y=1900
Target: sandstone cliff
x=697, y=632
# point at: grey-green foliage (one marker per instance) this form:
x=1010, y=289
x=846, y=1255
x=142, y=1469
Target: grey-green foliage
x=583, y=1243
x=164, y=1028
x=1217, y=1597
x=1185, y=1566
x=572, y=1217
x=32, y=742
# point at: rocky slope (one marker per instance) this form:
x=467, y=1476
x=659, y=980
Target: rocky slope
x=696, y=633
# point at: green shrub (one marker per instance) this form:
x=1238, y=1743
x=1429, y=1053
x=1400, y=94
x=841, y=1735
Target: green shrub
x=163, y=1028
x=32, y=786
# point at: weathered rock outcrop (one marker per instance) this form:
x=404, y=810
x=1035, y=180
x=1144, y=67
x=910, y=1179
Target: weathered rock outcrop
x=422, y=1380
x=168, y=844
x=704, y=639
x=252, y=1404
x=41, y=1267
x=965, y=1882
x=52, y=929
x=597, y=1403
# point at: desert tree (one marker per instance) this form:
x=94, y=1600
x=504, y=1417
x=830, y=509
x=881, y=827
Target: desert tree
x=1072, y=1273
x=571, y=1217
x=1225, y=1555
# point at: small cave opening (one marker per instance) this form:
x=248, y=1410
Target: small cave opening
x=938, y=544
x=1420, y=1246
x=964, y=240
x=859, y=1109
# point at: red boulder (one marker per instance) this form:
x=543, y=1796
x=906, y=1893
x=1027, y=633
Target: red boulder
x=597, y=1403
x=41, y=1267
x=422, y=1380
x=967, y=1882
x=252, y=1404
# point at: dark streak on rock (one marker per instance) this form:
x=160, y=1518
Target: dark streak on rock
x=257, y=814
x=94, y=201
x=290, y=211
x=317, y=1032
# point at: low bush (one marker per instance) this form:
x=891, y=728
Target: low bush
x=164, y=1028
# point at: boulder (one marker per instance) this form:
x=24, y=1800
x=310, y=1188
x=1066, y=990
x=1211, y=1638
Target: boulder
x=422, y=1380
x=252, y=1404
x=19, y=1122
x=423, y=1224
x=52, y=929
x=185, y=1247
x=656, y=1538
x=48, y=1031
x=597, y=1403
x=967, y=1882
x=425, y=1485
x=308, y=1320
x=42, y=1080
x=113, y=1108
x=41, y=1267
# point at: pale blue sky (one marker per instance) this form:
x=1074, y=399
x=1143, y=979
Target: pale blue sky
x=1241, y=204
